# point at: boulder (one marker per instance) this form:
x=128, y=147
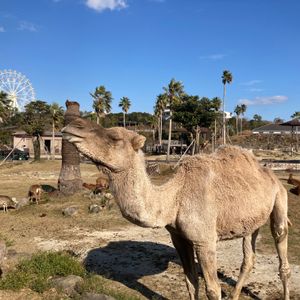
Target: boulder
x=92, y=296
x=3, y=251
x=22, y=202
x=94, y=208
x=70, y=211
x=66, y=284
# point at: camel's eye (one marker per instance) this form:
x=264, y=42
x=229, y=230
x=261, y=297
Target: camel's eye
x=114, y=136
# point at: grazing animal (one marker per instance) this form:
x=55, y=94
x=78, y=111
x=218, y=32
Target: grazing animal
x=35, y=193
x=214, y=197
x=296, y=182
x=102, y=183
x=6, y=202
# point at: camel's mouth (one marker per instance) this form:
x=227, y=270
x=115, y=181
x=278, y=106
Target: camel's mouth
x=71, y=137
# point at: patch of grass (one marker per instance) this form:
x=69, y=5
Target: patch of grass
x=97, y=284
x=34, y=272
x=8, y=242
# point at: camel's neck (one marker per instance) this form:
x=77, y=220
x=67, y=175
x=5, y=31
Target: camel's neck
x=142, y=202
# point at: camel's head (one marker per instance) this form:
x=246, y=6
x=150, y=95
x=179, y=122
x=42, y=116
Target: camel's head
x=112, y=148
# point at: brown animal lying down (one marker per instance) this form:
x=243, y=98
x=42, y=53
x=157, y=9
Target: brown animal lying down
x=295, y=182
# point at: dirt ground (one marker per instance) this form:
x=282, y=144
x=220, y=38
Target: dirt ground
x=132, y=258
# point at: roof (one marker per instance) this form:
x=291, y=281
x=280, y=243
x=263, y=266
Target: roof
x=273, y=128
x=45, y=134
x=293, y=122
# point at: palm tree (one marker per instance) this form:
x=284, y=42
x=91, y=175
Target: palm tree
x=70, y=180
x=296, y=114
x=243, y=110
x=125, y=105
x=238, y=111
x=102, y=102
x=173, y=92
x=160, y=106
x=226, y=78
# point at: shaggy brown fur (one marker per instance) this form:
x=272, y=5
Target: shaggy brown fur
x=6, y=202
x=211, y=197
x=35, y=193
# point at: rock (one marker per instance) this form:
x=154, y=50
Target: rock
x=3, y=251
x=92, y=296
x=66, y=284
x=22, y=202
x=94, y=208
x=70, y=211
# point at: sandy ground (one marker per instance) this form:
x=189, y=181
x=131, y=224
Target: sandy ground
x=135, y=258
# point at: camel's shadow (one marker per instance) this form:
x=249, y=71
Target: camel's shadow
x=128, y=261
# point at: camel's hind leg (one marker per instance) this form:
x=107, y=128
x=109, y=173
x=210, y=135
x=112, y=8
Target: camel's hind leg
x=247, y=265
x=186, y=254
x=279, y=228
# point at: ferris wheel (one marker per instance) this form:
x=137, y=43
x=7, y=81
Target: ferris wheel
x=17, y=87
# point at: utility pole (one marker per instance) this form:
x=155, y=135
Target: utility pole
x=53, y=137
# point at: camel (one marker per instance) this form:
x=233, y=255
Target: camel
x=213, y=197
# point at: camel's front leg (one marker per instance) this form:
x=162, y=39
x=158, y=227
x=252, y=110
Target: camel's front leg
x=206, y=254
x=186, y=254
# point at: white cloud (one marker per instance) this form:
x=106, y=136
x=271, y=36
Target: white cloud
x=264, y=100
x=2, y=29
x=251, y=82
x=215, y=56
x=255, y=90
x=100, y=5
x=27, y=26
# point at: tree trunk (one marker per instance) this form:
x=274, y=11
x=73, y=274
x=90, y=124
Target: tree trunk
x=241, y=124
x=70, y=180
x=169, y=138
x=161, y=128
x=36, y=148
x=237, y=124
x=197, y=139
x=224, y=118
x=124, y=122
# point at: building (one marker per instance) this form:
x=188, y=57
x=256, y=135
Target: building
x=22, y=140
x=275, y=129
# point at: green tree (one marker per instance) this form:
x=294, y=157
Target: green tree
x=5, y=108
x=125, y=105
x=194, y=113
x=296, y=114
x=36, y=118
x=238, y=111
x=173, y=93
x=278, y=120
x=226, y=79
x=160, y=106
x=102, y=102
x=243, y=110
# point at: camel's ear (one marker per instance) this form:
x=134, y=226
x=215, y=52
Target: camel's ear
x=138, y=142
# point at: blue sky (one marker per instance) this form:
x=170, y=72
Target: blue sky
x=134, y=47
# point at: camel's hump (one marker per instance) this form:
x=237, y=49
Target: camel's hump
x=225, y=154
